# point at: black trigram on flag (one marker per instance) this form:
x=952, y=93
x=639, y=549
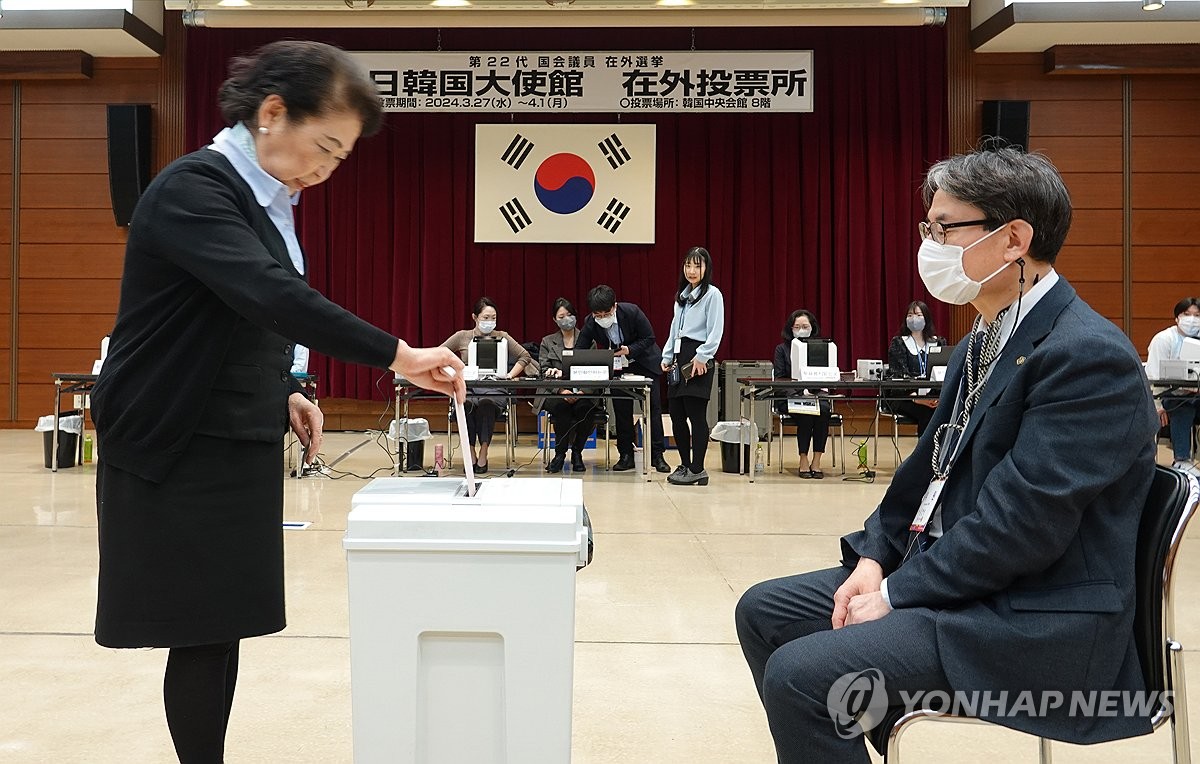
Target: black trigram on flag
x=517, y=151
x=613, y=215
x=515, y=215
x=614, y=151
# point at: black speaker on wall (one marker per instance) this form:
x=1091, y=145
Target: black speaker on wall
x=128, y=157
x=1005, y=123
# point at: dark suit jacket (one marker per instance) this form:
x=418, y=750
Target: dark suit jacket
x=645, y=356
x=210, y=306
x=1034, y=575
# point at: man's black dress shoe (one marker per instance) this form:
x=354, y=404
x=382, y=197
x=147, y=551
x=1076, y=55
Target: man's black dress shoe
x=624, y=463
x=661, y=465
x=556, y=464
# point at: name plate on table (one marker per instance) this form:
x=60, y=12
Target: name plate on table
x=809, y=406
x=820, y=374
x=589, y=373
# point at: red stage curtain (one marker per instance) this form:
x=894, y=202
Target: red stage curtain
x=798, y=210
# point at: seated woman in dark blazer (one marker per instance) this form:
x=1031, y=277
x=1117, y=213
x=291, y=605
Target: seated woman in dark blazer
x=908, y=358
x=482, y=410
x=803, y=325
x=572, y=416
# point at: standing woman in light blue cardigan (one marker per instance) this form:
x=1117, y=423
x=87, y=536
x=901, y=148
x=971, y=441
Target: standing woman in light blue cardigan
x=696, y=329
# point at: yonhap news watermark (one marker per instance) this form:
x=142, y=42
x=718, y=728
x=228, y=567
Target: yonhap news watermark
x=858, y=702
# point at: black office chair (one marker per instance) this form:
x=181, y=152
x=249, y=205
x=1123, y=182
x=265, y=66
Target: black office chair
x=1165, y=516
x=600, y=419
x=835, y=420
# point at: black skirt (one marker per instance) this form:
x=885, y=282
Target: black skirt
x=198, y=558
x=696, y=387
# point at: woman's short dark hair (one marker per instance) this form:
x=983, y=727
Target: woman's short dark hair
x=695, y=255
x=929, y=330
x=312, y=78
x=1182, y=306
x=481, y=303
x=563, y=302
x=787, y=328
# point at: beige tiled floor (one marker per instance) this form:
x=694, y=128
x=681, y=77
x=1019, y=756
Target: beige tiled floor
x=659, y=676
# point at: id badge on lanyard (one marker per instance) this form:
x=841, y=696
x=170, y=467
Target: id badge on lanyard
x=933, y=494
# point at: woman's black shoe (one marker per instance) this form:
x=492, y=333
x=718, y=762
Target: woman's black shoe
x=481, y=469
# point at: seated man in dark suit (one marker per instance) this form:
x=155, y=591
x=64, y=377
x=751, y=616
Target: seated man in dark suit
x=1001, y=558
x=623, y=327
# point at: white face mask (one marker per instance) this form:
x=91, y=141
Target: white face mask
x=1190, y=325
x=607, y=322
x=487, y=327
x=801, y=333
x=941, y=268
x=916, y=323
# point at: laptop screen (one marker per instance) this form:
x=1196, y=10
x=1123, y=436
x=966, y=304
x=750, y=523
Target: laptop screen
x=588, y=364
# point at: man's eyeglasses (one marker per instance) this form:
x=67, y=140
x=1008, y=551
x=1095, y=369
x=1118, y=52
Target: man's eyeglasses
x=937, y=231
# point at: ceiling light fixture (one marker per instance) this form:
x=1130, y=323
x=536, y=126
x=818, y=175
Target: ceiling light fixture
x=450, y=3
x=675, y=3
x=1153, y=5
x=234, y=3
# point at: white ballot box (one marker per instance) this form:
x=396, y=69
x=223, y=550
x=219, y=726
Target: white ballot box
x=462, y=619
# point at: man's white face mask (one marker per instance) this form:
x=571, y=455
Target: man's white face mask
x=941, y=268
x=1190, y=325
x=607, y=321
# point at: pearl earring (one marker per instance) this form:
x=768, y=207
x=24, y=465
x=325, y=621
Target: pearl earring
x=263, y=130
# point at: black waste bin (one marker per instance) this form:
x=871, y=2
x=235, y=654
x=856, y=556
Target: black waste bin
x=412, y=455
x=68, y=446
x=729, y=457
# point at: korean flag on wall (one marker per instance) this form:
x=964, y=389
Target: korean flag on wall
x=564, y=184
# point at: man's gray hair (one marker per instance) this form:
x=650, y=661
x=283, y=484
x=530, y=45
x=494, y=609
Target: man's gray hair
x=1008, y=185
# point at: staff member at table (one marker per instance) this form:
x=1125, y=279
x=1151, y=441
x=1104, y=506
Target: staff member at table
x=802, y=325
x=195, y=395
x=482, y=408
x=908, y=358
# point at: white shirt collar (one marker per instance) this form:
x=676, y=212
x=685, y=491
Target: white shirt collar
x=1012, y=320
x=237, y=145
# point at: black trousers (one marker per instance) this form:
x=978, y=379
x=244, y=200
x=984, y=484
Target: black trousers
x=689, y=421
x=795, y=657
x=573, y=423
x=623, y=409
x=815, y=428
x=481, y=416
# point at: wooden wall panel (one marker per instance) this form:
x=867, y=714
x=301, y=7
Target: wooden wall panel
x=6, y=192
x=1104, y=297
x=1019, y=77
x=1166, y=154
x=1156, y=299
x=1090, y=263
x=1165, y=117
x=1094, y=227
x=1074, y=118
x=63, y=155
x=37, y=365
x=71, y=251
x=1154, y=227
x=1173, y=264
x=52, y=261
x=6, y=154
x=1094, y=190
x=53, y=191
x=1099, y=154
x=1166, y=191
x=81, y=226
x=67, y=295
x=53, y=120
x=67, y=330
x=5, y=310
